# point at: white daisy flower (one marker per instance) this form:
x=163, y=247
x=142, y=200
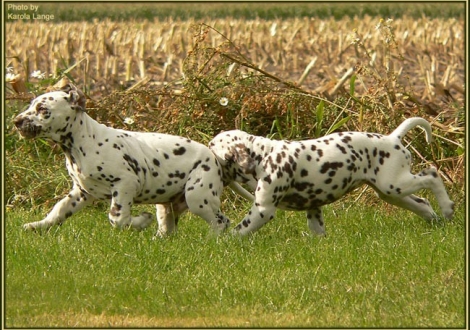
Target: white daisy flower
x=10, y=77
x=128, y=121
x=223, y=101
x=38, y=74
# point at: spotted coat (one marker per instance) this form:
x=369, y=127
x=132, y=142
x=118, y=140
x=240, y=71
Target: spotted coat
x=305, y=175
x=125, y=167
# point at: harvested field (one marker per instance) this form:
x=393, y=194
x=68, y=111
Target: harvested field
x=422, y=52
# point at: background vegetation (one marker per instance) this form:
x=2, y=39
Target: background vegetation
x=283, y=71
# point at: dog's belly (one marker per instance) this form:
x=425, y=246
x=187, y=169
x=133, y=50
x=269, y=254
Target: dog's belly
x=312, y=198
x=146, y=196
x=160, y=193
x=145, y=189
x=311, y=194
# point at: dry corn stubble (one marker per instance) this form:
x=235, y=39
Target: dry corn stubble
x=426, y=55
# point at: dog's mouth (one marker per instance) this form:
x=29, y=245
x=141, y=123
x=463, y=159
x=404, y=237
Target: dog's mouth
x=26, y=128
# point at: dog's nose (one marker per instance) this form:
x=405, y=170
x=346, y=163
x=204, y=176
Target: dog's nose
x=18, y=121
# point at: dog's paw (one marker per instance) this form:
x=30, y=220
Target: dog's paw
x=38, y=227
x=320, y=234
x=430, y=215
x=29, y=226
x=448, y=211
x=159, y=235
x=163, y=233
x=142, y=221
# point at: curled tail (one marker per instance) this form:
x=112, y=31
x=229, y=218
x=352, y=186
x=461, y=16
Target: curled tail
x=411, y=123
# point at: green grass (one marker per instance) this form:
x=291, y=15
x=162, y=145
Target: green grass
x=376, y=268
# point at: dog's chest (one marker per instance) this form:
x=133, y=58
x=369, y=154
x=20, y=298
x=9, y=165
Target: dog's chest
x=95, y=174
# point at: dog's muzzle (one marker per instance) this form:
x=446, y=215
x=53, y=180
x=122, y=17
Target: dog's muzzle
x=26, y=127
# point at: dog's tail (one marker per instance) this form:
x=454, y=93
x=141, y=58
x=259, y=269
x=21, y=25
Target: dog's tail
x=411, y=123
x=241, y=191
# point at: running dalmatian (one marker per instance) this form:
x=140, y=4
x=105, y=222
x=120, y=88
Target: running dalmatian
x=306, y=175
x=126, y=167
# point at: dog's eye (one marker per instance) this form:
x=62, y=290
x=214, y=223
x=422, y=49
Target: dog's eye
x=41, y=108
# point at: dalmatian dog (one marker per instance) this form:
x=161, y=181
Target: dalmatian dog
x=306, y=175
x=123, y=166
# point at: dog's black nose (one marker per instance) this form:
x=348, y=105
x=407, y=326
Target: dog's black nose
x=18, y=121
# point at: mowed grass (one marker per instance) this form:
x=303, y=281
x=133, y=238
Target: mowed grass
x=378, y=267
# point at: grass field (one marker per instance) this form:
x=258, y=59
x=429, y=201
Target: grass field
x=378, y=267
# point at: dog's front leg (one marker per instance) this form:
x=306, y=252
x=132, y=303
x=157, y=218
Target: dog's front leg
x=168, y=215
x=121, y=203
x=122, y=199
x=120, y=213
x=255, y=219
x=72, y=203
x=262, y=211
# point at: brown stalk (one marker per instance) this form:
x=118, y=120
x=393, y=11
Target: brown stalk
x=267, y=74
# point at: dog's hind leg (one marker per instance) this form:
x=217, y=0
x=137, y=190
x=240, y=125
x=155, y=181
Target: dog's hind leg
x=168, y=215
x=406, y=184
x=208, y=208
x=415, y=204
x=203, y=191
x=315, y=222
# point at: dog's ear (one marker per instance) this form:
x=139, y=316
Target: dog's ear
x=59, y=86
x=76, y=97
x=240, y=154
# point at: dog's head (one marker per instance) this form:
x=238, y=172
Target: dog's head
x=51, y=114
x=231, y=150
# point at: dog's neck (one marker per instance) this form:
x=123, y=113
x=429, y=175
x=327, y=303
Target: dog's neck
x=259, y=144
x=82, y=128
